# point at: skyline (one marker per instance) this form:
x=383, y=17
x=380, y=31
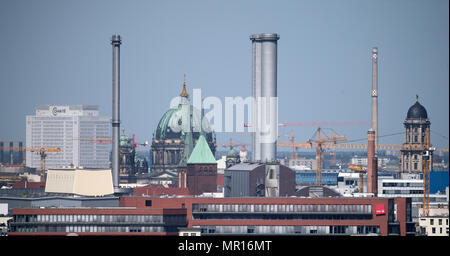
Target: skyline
x=61, y=53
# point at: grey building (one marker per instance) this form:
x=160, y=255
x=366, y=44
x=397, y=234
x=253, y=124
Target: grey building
x=75, y=129
x=257, y=179
x=58, y=202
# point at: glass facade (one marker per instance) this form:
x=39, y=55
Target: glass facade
x=306, y=230
x=282, y=211
x=97, y=223
x=276, y=208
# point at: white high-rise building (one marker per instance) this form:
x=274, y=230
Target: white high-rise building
x=70, y=128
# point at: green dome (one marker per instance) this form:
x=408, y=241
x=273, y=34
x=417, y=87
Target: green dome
x=124, y=140
x=171, y=124
x=233, y=153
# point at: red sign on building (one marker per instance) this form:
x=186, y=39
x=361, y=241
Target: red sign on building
x=379, y=209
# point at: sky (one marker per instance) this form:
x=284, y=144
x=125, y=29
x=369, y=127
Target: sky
x=59, y=52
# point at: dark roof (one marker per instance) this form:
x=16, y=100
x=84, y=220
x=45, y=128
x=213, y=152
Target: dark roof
x=417, y=111
x=316, y=191
x=160, y=190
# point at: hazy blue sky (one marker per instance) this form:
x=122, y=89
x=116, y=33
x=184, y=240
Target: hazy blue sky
x=59, y=52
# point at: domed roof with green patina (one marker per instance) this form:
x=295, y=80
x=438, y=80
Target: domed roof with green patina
x=173, y=121
x=124, y=140
x=233, y=153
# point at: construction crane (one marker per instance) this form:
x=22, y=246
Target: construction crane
x=43, y=153
x=426, y=169
x=232, y=144
x=97, y=140
x=322, y=139
x=293, y=155
x=359, y=169
x=313, y=123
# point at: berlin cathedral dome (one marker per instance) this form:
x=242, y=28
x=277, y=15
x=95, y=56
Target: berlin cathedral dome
x=168, y=141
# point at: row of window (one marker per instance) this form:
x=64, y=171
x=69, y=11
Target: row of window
x=319, y=230
x=362, y=208
x=89, y=218
x=86, y=228
x=439, y=222
x=403, y=192
x=280, y=216
x=402, y=184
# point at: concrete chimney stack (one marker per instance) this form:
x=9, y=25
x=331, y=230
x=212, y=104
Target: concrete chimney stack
x=264, y=92
x=375, y=94
x=116, y=41
x=372, y=164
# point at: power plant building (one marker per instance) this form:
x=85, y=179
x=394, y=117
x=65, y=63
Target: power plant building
x=73, y=129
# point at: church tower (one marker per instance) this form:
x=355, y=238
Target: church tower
x=417, y=127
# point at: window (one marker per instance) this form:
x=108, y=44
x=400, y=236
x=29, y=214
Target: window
x=415, y=166
x=433, y=230
x=271, y=176
x=440, y=222
x=431, y=222
x=148, y=203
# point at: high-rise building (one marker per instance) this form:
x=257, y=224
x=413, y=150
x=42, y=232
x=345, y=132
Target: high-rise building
x=73, y=129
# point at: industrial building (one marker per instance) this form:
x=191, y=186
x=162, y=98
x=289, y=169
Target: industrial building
x=71, y=128
x=258, y=179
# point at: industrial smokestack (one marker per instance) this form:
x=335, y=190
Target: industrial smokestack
x=1, y=152
x=264, y=92
x=375, y=94
x=11, y=152
x=20, y=160
x=372, y=164
x=116, y=41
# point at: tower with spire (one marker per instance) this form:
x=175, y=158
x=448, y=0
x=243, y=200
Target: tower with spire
x=416, y=125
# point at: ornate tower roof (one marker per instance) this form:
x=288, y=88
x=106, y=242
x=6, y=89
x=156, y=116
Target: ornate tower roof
x=417, y=111
x=184, y=92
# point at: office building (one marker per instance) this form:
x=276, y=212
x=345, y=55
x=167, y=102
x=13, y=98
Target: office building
x=72, y=128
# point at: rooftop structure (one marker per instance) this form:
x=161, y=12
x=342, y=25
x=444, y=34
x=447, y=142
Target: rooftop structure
x=80, y=182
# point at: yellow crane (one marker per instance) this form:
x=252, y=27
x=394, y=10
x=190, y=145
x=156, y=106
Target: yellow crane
x=318, y=141
x=426, y=169
x=42, y=151
x=359, y=169
x=293, y=155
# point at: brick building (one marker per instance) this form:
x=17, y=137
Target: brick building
x=291, y=216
